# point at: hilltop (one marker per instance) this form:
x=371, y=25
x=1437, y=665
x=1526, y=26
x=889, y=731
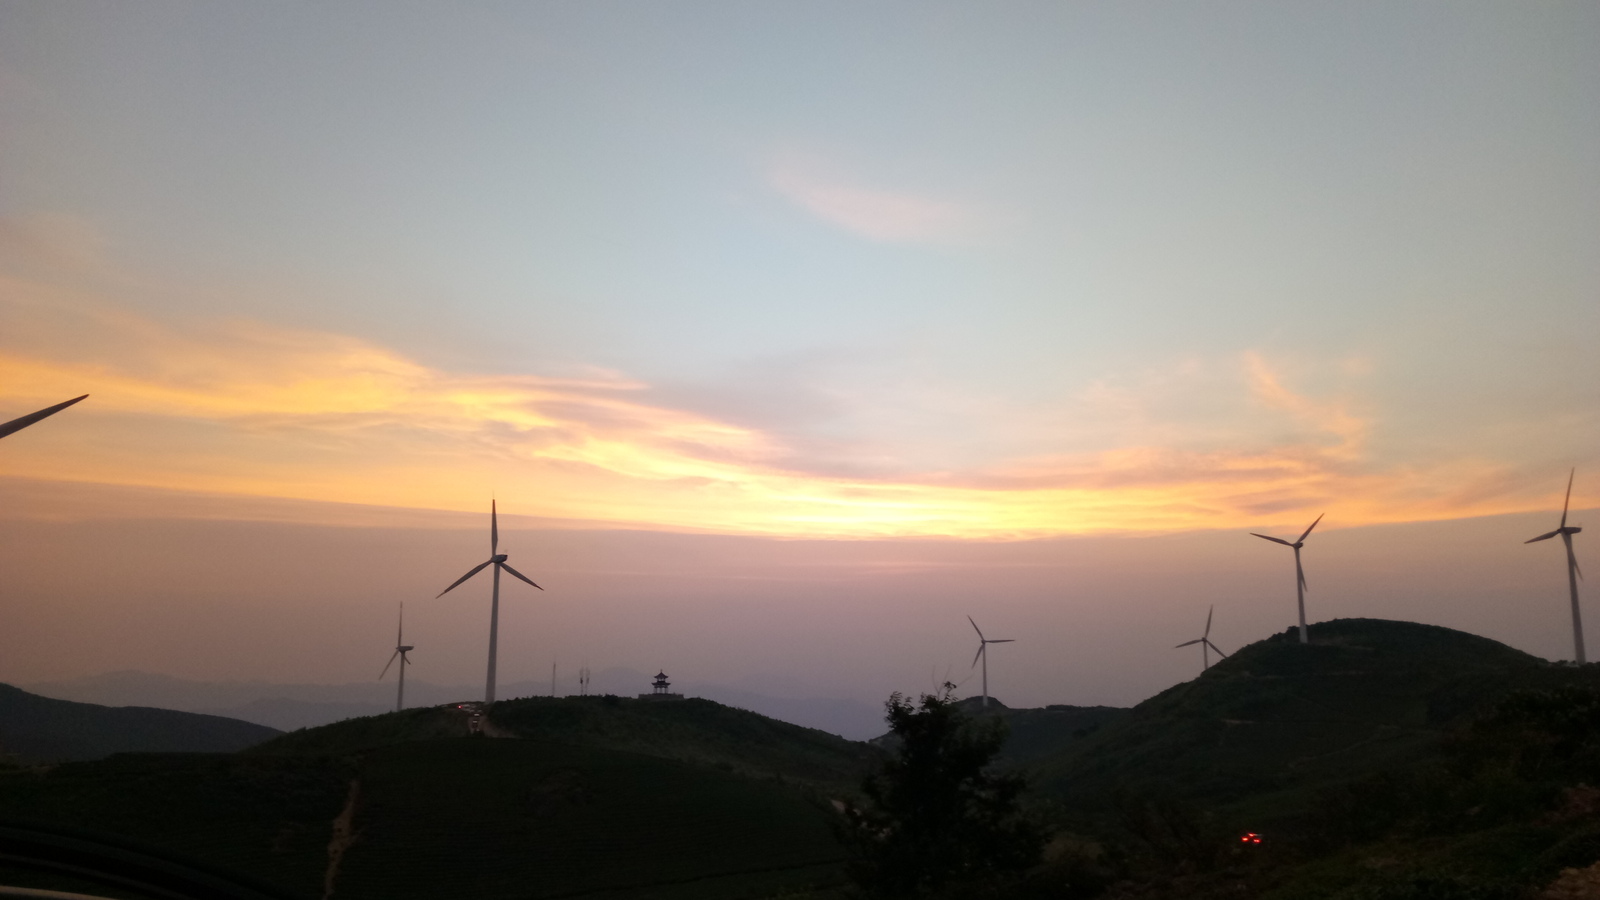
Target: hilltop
x=1278, y=718
x=694, y=731
x=39, y=729
x=1282, y=716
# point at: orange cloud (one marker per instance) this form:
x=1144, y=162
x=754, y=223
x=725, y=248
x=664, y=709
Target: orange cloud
x=246, y=409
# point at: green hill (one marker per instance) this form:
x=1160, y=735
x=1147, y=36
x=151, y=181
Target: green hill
x=1032, y=733
x=1279, y=718
x=40, y=729
x=694, y=731
x=1035, y=733
x=599, y=797
x=691, y=730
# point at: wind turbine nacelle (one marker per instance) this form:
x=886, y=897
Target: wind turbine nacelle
x=499, y=558
x=1573, y=529
x=405, y=649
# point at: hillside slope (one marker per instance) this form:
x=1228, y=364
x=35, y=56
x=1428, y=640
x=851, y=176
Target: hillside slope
x=725, y=803
x=39, y=729
x=1277, y=719
x=695, y=731
x=1032, y=733
x=690, y=730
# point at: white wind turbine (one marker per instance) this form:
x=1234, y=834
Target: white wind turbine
x=1573, y=572
x=983, y=654
x=401, y=648
x=1204, y=641
x=22, y=422
x=1299, y=573
x=498, y=560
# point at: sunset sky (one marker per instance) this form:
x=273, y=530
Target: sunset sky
x=789, y=334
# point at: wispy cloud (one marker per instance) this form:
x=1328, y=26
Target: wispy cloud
x=871, y=212
x=243, y=408
x=247, y=409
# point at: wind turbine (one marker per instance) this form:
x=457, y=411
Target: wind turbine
x=1299, y=573
x=1204, y=641
x=983, y=654
x=498, y=560
x=401, y=648
x=1573, y=572
x=22, y=422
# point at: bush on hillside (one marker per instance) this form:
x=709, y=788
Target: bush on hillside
x=936, y=819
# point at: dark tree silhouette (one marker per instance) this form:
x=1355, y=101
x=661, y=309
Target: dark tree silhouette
x=935, y=815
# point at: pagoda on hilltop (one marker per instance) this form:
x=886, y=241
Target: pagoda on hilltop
x=661, y=689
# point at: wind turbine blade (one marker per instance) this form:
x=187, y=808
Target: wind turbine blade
x=1569, y=497
x=1567, y=539
x=981, y=645
x=1214, y=647
x=1188, y=643
x=1273, y=539
x=387, y=665
x=1208, y=621
x=519, y=574
x=976, y=628
x=1309, y=527
x=494, y=529
x=1002, y=641
x=1299, y=572
x=1542, y=537
x=400, y=635
x=475, y=570
x=22, y=422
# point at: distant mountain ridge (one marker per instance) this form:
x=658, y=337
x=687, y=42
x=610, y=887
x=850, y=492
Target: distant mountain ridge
x=287, y=707
x=42, y=729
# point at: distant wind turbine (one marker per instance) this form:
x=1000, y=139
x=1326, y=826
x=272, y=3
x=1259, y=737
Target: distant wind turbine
x=401, y=648
x=1573, y=572
x=983, y=654
x=22, y=422
x=498, y=560
x=1299, y=573
x=1206, y=646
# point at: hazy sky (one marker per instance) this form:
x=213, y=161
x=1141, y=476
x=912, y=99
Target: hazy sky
x=988, y=284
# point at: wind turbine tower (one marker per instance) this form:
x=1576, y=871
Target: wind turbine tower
x=498, y=560
x=1206, y=646
x=983, y=654
x=1573, y=572
x=401, y=648
x=1299, y=573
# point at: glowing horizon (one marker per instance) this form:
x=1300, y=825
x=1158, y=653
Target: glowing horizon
x=296, y=414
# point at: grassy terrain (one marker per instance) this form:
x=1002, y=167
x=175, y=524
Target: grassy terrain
x=690, y=730
x=1034, y=734
x=263, y=817
x=354, y=736
x=726, y=803
x=35, y=728
x=1263, y=730
x=530, y=818
x=1385, y=761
